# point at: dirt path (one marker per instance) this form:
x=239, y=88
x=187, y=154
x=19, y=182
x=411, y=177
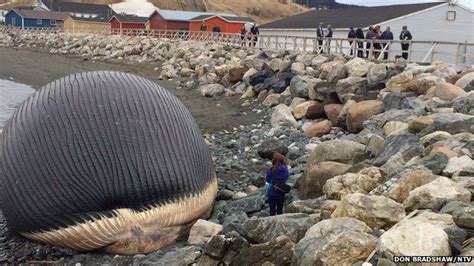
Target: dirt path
x=37, y=68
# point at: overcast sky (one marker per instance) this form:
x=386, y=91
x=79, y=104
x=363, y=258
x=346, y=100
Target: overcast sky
x=468, y=3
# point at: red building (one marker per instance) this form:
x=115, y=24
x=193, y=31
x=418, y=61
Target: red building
x=127, y=24
x=225, y=24
x=163, y=19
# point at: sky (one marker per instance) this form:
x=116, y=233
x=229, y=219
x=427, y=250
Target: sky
x=468, y=3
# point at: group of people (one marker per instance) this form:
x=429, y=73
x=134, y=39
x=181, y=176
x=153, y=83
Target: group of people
x=373, y=34
x=250, y=33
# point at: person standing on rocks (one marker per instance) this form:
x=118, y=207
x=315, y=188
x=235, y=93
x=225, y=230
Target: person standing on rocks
x=405, y=35
x=255, y=32
x=277, y=176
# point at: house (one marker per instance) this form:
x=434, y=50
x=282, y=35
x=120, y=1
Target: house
x=440, y=21
x=84, y=10
x=75, y=24
x=121, y=22
x=163, y=19
x=226, y=24
x=27, y=18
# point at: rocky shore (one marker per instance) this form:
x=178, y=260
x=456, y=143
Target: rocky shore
x=380, y=155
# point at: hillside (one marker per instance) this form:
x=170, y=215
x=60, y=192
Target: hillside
x=322, y=4
x=260, y=10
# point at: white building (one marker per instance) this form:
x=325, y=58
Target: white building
x=440, y=22
x=2, y=15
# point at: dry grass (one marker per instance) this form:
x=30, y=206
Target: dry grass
x=260, y=10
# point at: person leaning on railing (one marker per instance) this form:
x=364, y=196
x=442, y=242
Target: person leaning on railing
x=360, y=42
x=405, y=35
x=351, y=35
x=329, y=36
x=386, y=35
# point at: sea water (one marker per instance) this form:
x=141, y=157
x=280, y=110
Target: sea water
x=12, y=94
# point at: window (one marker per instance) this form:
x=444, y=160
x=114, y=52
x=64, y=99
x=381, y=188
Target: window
x=53, y=22
x=451, y=16
x=39, y=22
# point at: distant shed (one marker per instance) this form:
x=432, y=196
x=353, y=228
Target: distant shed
x=77, y=24
x=120, y=22
x=163, y=19
x=226, y=24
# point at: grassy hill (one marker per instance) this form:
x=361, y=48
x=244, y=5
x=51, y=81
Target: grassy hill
x=260, y=10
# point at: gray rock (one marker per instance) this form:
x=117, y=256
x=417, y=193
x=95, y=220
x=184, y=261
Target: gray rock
x=336, y=73
x=453, y=123
x=278, y=251
x=342, y=151
x=279, y=82
x=464, y=216
x=293, y=225
x=464, y=104
x=300, y=86
x=211, y=90
x=407, y=144
x=260, y=76
x=269, y=147
x=349, y=87
x=376, y=73
x=324, y=243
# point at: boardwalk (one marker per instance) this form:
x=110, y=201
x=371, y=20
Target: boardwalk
x=419, y=51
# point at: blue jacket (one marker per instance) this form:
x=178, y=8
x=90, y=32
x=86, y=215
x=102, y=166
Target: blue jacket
x=280, y=175
x=387, y=35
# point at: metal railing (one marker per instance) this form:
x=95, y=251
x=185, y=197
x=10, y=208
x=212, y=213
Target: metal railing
x=419, y=51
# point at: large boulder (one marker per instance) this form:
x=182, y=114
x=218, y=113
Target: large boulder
x=309, y=206
x=445, y=91
x=325, y=242
x=435, y=194
x=361, y=111
x=248, y=74
x=404, y=240
x=260, y=76
x=298, y=68
x=375, y=211
x=315, y=111
x=376, y=73
x=236, y=74
x=300, y=86
x=464, y=104
x=399, y=82
x=452, y=123
x=332, y=112
x=362, y=182
x=342, y=117
x=313, y=180
x=349, y=87
x=282, y=116
x=300, y=110
x=278, y=251
x=293, y=225
x=407, y=181
x=279, y=82
x=318, y=129
x=336, y=73
x=342, y=151
x=357, y=67
x=211, y=90
x=272, y=100
x=466, y=82
x=203, y=231
x=407, y=144
x=456, y=165
x=269, y=147
x=418, y=124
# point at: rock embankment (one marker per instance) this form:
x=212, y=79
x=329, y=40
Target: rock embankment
x=368, y=144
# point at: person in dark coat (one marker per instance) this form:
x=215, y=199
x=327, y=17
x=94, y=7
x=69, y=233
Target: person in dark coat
x=277, y=173
x=376, y=43
x=386, y=35
x=255, y=32
x=351, y=35
x=243, y=32
x=360, y=43
x=329, y=36
x=368, y=36
x=320, y=35
x=405, y=35
x=203, y=26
